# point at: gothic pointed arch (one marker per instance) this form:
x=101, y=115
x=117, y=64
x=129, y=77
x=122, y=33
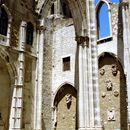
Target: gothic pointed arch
x=113, y=95
x=77, y=8
x=64, y=108
x=103, y=19
x=8, y=76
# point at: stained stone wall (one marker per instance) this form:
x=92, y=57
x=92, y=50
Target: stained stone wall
x=112, y=93
x=65, y=105
x=20, y=11
x=5, y=94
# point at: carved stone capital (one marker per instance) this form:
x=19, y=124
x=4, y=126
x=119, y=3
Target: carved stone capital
x=82, y=40
x=124, y=4
x=41, y=28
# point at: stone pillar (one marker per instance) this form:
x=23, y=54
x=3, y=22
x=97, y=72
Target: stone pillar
x=15, y=122
x=126, y=41
x=88, y=98
x=57, y=7
x=39, y=79
x=83, y=115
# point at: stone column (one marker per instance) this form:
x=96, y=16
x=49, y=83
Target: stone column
x=39, y=79
x=83, y=93
x=88, y=98
x=126, y=41
x=57, y=7
x=15, y=122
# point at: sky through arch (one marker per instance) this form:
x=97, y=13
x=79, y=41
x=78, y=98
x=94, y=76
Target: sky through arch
x=104, y=19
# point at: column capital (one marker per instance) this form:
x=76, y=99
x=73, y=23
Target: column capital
x=41, y=28
x=124, y=4
x=82, y=40
x=23, y=24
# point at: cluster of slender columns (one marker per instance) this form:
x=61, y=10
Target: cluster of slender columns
x=15, y=121
x=88, y=95
x=39, y=78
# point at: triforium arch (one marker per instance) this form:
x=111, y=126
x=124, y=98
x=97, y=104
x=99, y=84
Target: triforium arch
x=8, y=76
x=64, y=108
x=78, y=10
x=113, y=95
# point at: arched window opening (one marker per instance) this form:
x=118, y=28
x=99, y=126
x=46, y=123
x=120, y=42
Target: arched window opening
x=3, y=22
x=29, y=33
x=103, y=21
x=52, y=9
x=65, y=9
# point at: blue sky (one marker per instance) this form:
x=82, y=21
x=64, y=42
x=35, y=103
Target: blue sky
x=104, y=19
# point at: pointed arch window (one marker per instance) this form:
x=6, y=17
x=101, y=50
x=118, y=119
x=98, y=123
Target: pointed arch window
x=3, y=21
x=65, y=9
x=103, y=20
x=29, y=33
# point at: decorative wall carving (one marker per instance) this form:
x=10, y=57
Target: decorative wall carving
x=103, y=94
x=111, y=115
x=68, y=98
x=102, y=71
x=116, y=93
x=114, y=69
x=109, y=85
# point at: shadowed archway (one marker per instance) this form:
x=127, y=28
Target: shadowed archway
x=64, y=112
x=112, y=86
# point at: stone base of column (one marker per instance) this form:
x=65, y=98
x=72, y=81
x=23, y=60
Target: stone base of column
x=90, y=128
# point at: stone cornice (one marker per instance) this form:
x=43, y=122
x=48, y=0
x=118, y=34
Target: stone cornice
x=82, y=40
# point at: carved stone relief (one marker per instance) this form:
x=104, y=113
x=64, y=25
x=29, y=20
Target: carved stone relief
x=116, y=93
x=102, y=71
x=103, y=94
x=111, y=115
x=68, y=98
x=109, y=85
x=114, y=69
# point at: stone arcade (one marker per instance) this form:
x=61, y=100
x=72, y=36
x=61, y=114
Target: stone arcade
x=58, y=71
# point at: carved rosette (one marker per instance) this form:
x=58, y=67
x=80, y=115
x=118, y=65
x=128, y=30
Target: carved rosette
x=82, y=40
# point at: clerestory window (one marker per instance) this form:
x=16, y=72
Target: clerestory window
x=3, y=21
x=103, y=20
x=29, y=33
x=65, y=9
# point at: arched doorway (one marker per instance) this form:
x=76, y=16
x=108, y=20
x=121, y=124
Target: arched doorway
x=65, y=108
x=112, y=88
x=5, y=91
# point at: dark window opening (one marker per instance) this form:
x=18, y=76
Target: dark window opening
x=52, y=9
x=29, y=33
x=65, y=9
x=66, y=63
x=3, y=22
